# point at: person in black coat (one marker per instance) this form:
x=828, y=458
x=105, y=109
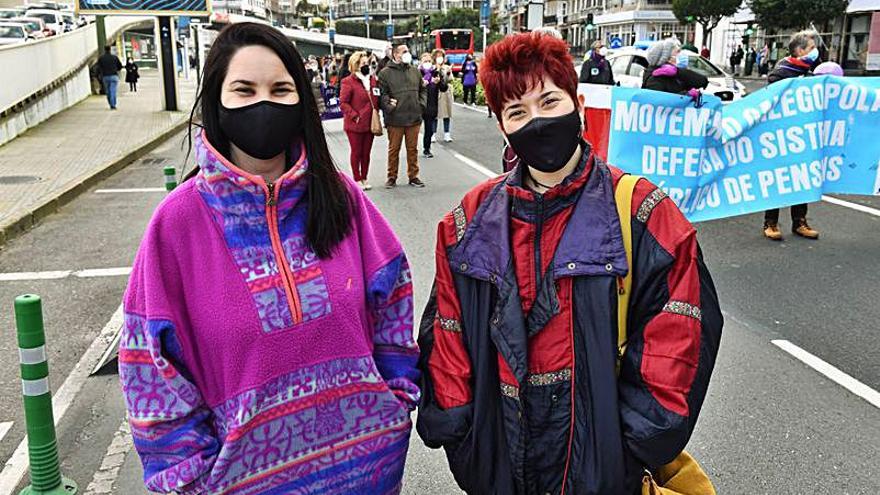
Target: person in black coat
x=666, y=74
x=596, y=69
x=131, y=74
x=804, y=56
x=435, y=84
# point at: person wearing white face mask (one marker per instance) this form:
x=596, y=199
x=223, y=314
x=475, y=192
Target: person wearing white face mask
x=597, y=70
x=444, y=104
x=403, y=96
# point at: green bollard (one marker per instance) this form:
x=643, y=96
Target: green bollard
x=46, y=476
x=170, y=178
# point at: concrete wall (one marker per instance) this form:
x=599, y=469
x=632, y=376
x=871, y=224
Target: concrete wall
x=50, y=75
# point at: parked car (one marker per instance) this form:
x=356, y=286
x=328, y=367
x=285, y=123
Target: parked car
x=9, y=13
x=34, y=26
x=629, y=65
x=70, y=22
x=12, y=33
x=53, y=18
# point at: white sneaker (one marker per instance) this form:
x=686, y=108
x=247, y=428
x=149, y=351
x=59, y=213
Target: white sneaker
x=447, y=137
x=367, y=186
x=434, y=138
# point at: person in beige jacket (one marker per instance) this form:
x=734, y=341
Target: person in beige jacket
x=444, y=105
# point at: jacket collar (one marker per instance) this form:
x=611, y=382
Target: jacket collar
x=591, y=244
x=233, y=192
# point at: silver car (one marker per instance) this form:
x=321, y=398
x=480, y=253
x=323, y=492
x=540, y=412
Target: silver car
x=12, y=33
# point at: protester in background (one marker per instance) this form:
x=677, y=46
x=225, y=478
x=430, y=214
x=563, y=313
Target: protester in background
x=444, y=101
x=389, y=57
x=110, y=66
x=518, y=340
x=343, y=71
x=803, y=57
x=131, y=74
x=764, y=65
x=403, y=98
x=374, y=64
x=666, y=70
x=597, y=70
x=436, y=85
x=469, y=72
x=268, y=289
x=359, y=96
x=738, y=55
x=751, y=57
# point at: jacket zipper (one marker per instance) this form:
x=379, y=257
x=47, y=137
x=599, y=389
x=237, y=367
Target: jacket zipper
x=539, y=226
x=280, y=258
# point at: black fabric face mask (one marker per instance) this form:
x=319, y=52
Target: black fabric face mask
x=263, y=129
x=547, y=143
x=365, y=70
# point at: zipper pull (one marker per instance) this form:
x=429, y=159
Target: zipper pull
x=271, y=199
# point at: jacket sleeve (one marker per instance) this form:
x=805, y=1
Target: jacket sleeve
x=674, y=329
x=446, y=406
x=585, y=73
x=389, y=300
x=170, y=422
x=384, y=92
x=345, y=101
x=692, y=79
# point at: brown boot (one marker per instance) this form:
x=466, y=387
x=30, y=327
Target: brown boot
x=802, y=229
x=771, y=231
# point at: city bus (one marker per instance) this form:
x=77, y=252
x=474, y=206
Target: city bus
x=457, y=43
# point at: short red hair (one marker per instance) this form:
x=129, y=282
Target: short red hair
x=520, y=62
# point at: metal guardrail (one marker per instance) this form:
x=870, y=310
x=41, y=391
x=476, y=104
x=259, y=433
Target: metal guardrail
x=32, y=68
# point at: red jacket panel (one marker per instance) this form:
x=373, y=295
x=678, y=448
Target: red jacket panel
x=357, y=109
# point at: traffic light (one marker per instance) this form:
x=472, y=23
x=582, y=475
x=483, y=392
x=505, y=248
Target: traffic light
x=750, y=30
x=689, y=19
x=590, y=26
x=426, y=24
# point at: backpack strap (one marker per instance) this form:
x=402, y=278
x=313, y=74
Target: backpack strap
x=623, y=197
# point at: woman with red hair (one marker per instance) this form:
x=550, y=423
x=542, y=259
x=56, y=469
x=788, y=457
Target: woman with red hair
x=519, y=340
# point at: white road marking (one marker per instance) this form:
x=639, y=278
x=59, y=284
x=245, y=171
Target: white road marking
x=17, y=465
x=132, y=190
x=481, y=109
x=18, y=276
x=474, y=164
x=103, y=272
x=853, y=206
x=104, y=478
x=834, y=374
x=56, y=275
x=4, y=428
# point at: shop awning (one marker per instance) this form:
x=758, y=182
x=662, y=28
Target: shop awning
x=862, y=6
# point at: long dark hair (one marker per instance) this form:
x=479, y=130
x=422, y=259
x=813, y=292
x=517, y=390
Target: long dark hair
x=329, y=202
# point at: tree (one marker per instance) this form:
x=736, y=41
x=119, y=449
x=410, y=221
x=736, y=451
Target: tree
x=708, y=13
x=795, y=14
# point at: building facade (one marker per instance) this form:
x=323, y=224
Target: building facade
x=254, y=8
x=400, y=9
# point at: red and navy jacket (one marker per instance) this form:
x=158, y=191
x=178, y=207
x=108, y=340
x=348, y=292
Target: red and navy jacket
x=519, y=338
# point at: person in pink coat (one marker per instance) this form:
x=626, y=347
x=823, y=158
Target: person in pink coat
x=358, y=98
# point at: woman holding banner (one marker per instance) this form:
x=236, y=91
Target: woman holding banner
x=538, y=376
x=667, y=70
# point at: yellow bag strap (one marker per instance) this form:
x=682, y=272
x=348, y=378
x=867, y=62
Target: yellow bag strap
x=623, y=197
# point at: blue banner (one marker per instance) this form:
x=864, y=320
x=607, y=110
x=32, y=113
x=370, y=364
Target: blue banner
x=786, y=144
x=144, y=7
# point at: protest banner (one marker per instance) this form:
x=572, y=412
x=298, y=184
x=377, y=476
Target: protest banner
x=786, y=144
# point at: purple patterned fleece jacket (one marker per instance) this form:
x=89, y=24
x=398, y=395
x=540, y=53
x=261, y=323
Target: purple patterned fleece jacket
x=250, y=366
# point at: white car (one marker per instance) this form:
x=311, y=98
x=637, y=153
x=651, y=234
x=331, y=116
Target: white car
x=34, y=26
x=629, y=66
x=10, y=13
x=12, y=33
x=54, y=19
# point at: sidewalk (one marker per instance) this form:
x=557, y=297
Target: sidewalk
x=46, y=167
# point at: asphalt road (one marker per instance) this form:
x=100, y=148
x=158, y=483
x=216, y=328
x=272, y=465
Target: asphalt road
x=770, y=425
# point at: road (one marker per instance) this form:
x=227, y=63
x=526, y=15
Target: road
x=770, y=424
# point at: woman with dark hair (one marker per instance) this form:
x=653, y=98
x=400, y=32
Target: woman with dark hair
x=525, y=382
x=267, y=345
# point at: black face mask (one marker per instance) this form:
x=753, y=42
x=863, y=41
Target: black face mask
x=547, y=143
x=365, y=70
x=264, y=129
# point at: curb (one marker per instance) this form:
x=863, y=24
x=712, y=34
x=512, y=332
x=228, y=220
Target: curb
x=27, y=221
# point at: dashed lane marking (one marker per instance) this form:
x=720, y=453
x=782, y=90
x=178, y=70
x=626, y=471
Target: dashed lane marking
x=852, y=206
x=4, y=428
x=131, y=190
x=834, y=374
x=60, y=274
